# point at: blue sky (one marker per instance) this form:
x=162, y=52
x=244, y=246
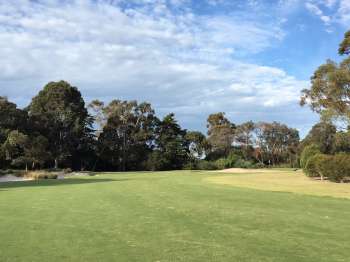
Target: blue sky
x=249, y=58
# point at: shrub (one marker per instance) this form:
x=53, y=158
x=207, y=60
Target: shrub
x=311, y=167
x=207, y=165
x=308, y=152
x=244, y=164
x=323, y=165
x=191, y=166
x=259, y=165
x=338, y=168
x=221, y=163
x=232, y=159
x=335, y=168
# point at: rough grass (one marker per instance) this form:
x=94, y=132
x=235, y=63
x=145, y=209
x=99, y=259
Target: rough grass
x=167, y=216
x=284, y=180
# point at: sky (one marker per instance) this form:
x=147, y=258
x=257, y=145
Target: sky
x=248, y=58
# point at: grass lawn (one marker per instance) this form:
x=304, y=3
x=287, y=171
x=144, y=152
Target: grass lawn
x=173, y=216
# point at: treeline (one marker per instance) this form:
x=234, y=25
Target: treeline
x=326, y=151
x=58, y=130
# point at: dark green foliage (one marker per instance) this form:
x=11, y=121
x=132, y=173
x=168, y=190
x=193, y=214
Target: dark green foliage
x=308, y=152
x=344, y=47
x=342, y=142
x=170, y=141
x=55, y=131
x=58, y=113
x=323, y=135
x=206, y=165
x=127, y=135
x=156, y=161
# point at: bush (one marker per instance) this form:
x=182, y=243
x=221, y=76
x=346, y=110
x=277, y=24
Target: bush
x=232, y=159
x=308, y=152
x=191, y=166
x=206, y=165
x=335, y=168
x=338, y=168
x=323, y=165
x=259, y=165
x=311, y=167
x=156, y=161
x=221, y=163
x=244, y=164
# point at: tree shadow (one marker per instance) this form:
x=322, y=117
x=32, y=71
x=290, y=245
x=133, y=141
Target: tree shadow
x=56, y=182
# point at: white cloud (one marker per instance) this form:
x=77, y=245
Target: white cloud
x=178, y=60
x=313, y=8
x=344, y=12
x=339, y=11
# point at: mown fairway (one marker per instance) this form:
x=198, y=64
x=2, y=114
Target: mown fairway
x=168, y=216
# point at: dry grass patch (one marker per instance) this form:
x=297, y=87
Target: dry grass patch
x=37, y=175
x=281, y=181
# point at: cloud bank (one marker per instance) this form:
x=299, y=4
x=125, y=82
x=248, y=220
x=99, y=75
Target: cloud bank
x=160, y=51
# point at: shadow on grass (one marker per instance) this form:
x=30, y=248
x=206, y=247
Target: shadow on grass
x=56, y=182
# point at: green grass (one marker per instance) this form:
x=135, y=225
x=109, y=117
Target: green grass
x=167, y=216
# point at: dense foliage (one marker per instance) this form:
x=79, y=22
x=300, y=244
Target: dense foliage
x=329, y=95
x=58, y=130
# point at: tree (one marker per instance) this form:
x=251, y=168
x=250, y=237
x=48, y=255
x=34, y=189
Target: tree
x=342, y=142
x=198, y=144
x=11, y=119
x=330, y=87
x=171, y=146
x=58, y=113
x=36, y=151
x=344, y=48
x=126, y=139
x=323, y=135
x=244, y=138
x=14, y=148
x=276, y=143
x=100, y=115
x=220, y=133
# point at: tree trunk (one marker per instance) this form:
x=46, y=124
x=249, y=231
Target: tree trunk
x=26, y=168
x=33, y=165
x=56, y=164
x=124, y=152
